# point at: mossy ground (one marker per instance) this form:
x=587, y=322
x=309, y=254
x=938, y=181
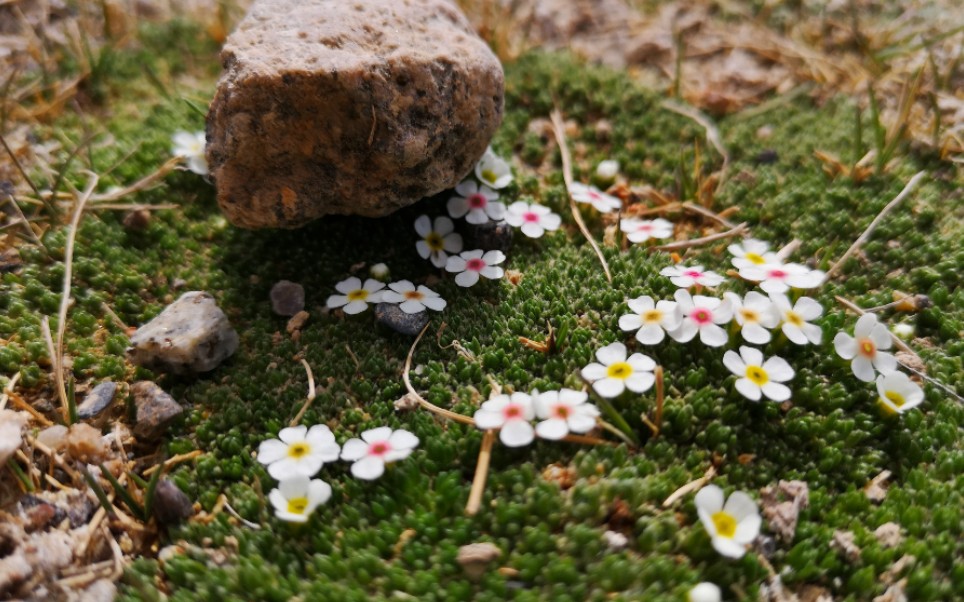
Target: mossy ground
x=398, y=537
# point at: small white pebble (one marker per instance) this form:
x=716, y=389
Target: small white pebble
x=615, y=540
x=379, y=271
x=608, y=169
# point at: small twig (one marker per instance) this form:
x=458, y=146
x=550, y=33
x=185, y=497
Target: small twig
x=788, y=249
x=23, y=173
x=311, y=395
x=691, y=486
x=172, y=461
x=890, y=305
x=876, y=221
x=26, y=223
x=712, y=132
x=481, y=473
x=115, y=317
x=131, y=207
x=709, y=214
x=141, y=184
x=739, y=230
x=234, y=513
x=353, y=357
x=8, y=389
x=658, y=372
x=421, y=400
x=559, y=129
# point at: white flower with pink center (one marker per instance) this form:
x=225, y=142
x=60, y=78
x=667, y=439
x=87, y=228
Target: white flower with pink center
x=779, y=278
x=376, y=448
x=563, y=412
x=534, y=220
x=478, y=204
x=687, y=276
x=864, y=348
x=604, y=203
x=511, y=414
x=702, y=315
x=493, y=171
x=472, y=264
x=641, y=230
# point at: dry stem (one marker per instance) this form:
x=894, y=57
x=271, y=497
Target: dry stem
x=481, y=473
x=691, y=486
x=739, y=230
x=311, y=395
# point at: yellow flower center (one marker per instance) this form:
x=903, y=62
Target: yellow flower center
x=358, y=295
x=896, y=398
x=749, y=315
x=794, y=318
x=653, y=315
x=757, y=259
x=867, y=348
x=757, y=375
x=620, y=370
x=489, y=176
x=297, y=505
x=298, y=450
x=434, y=241
x=725, y=524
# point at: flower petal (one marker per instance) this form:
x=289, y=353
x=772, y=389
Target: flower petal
x=756, y=334
x=455, y=264
x=748, y=389
x=709, y=499
x=630, y=322
x=778, y=369
x=466, y=279
x=423, y=225
x=271, y=450
x=452, y=243
x=641, y=362
x=516, y=433
x=593, y=372
x=354, y=449
x=492, y=272
x=609, y=387
x=713, y=336
x=488, y=419
x=845, y=345
x=348, y=285
x=293, y=434
x=734, y=363
x=885, y=362
x=582, y=423
x=553, y=428
x=457, y=206
x=776, y=391
x=863, y=369
x=612, y=353
x=650, y=334
x=402, y=439
x=355, y=307
x=368, y=468
x=727, y=547
x=640, y=382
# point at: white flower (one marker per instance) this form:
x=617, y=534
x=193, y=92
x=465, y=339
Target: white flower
x=731, y=527
x=478, y=204
x=413, y=301
x=898, y=393
x=756, y=314
x=379, y=271
x=563, y=412
x=191, y=147
x=705, y=592
x=615, y=372
x=779, y=278
x=298, y=451
x=864, y=348
x=376, y=448
x=752, y=252
x=651, y=319
x=701, y=315
x=533, y=219
x=796, y=319
x=438, y=241
x=296, y=498
x=471, y=264
x=641, y=230
x=355, y=297
x=903, y=330
x=607, y=170
x=493, y=171
x=687, y=276
x=511, y=415
x=603, y=202
x=758, y=377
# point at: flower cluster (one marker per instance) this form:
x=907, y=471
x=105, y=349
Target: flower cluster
x=561, y=412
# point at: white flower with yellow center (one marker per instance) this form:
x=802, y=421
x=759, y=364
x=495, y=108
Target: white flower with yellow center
x=493, y=171
x=469, y=265
x=864, y=348
x=756, y=314
x=779, y=278
x=562, y=412
x=511, y=414
x=705, y=592
x=604, y=203
x=355, y=297
x=412, y=300
x=438, y=240
x=298, y=451
x=687, y=276
x=191, y=147
x=296, y=498
x=651, y=320
x=376, y=448
x=701, y=315
x=641, y=230
x=752, y=252
x=796, y=319
x=732, y=526
x=758, y=377
x=534, y=220
x=898, y=393
x=478, y=204
x=614, y=373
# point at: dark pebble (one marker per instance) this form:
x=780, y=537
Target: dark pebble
x=156, y=410
x=490, y=236
x=390, y=315
x=171, y=505
x=99, y=398
x=766, y=157
x=287, y=298
x=39, y=513
x=137, y=220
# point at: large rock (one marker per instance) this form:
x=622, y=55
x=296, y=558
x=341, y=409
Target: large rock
x=348, y=107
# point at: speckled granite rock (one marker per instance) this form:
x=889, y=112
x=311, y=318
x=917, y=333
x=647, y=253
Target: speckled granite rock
x=354, y=107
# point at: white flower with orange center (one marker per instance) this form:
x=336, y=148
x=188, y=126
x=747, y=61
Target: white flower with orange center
x=511, y=414
x=438, y=240
x=702, y=315
x=795, y=319
x=376, y=448
x=296, y=498
x=478, y=204
x=864, y=348
x=534, y=220
x=731, y=527
x=758, y=377
x=898, y=393
x=614, y=373
x=756, y=315
x=641, y=230
x=752, y=252
x=471, y=264
x=687, y=276
x=604, y=203
x=354, y=297
x=779, y=278
x=651, y=320
x=493, y=171
x=563, y=412
x=412, y=300
x=190, y=146
x=298, y=451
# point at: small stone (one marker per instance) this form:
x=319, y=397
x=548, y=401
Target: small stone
x=766, y=157
x=845, y=543
x=138, y=220
x=297, y=321
x=475, y=558
x=38, y=513
x=490, y=236
x=406, y=403
x=156, y=410
x=287, y=298
x=391, y=315
x=11, y=424
x=171, y=505
x=97, y=400
x=54, y=437
x=190, y=335
x=85, y=444
x=888, y=534
x=615, y=541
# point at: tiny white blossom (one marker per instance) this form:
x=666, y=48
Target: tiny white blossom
x=687, y=276
x=651, y=319
x=604, y=203
x=796, y=319
x=614, y=373
x=898, y=393
x=756, y=314
x=702, y=315
x=412, y=300
x=354, y=296
x=864, y=348
x=191, y=147
x=534, y=220
x=607, y=170
x=298, y=451
x=472, y=264
x=779, y=278
x=705, y=592
x=379, y=271
x=562, y=412
x=511, y=414
x=641, y=230
x=296, y=498
x=731, y=527
x=438, y=240
x=478, y=204
x=752, y=252
x=903, y=330
x=376, y=448
x=759, y=377
x=493, y=171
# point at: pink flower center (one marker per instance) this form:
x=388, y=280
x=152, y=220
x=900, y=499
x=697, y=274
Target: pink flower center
x=777, y=274
x=530, y=217
x=476, y=201
x=701, y=316
x=512, y=412
x=379, y=448
x=475, y=265
x=644, y=228
x=693, y=273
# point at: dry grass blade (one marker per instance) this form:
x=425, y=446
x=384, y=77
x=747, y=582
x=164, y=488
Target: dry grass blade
x=421, y=400
x=139, y=185
x=712, y=132
x=739, y=230
x=481, y=473
x=691, y=486
x=311, y=395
